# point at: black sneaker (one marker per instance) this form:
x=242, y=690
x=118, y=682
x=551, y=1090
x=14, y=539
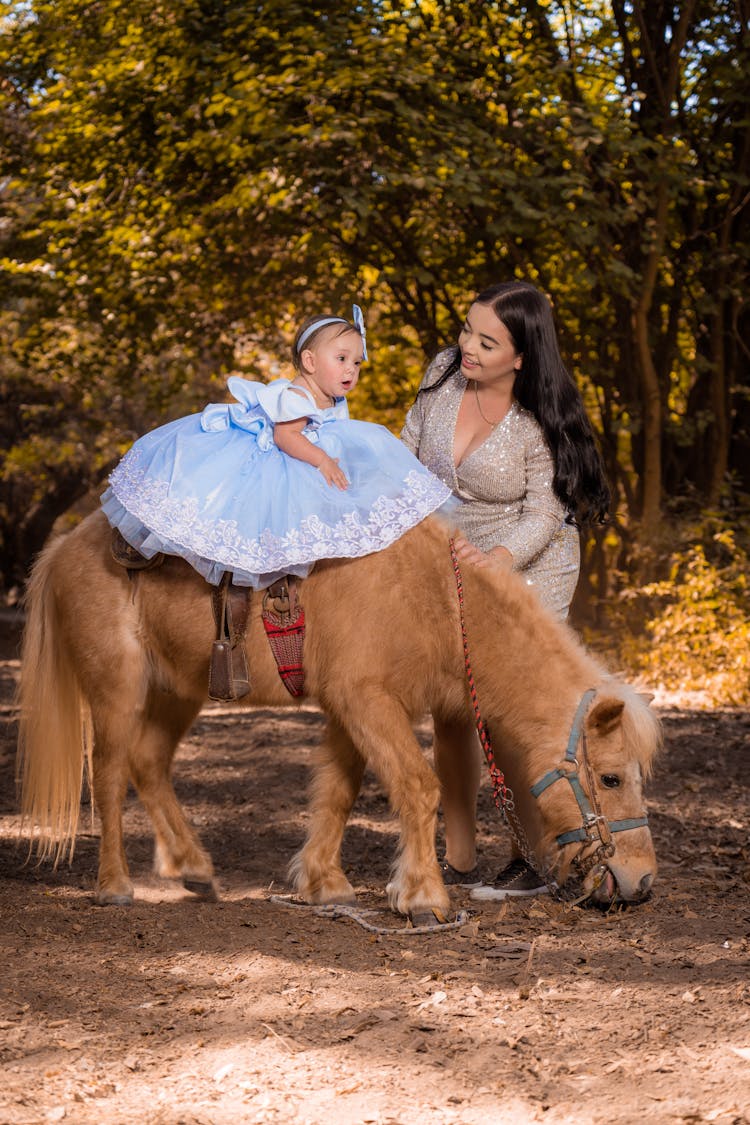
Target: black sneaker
x=454, y=878
x=517, y=880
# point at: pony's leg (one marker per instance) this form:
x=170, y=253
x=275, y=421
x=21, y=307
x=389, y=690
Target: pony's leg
x=178, y=852
x=315, y=870
x=113, y=730
x=383, y=730
x=458, y=766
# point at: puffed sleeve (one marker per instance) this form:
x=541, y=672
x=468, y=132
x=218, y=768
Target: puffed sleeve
x=284, y=403
x=258, y=407
x=542, y=513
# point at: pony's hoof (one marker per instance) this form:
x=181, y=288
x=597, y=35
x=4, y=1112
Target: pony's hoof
x=427, y=919
x=108, y=898
x=343, y=896
x=203, y=889
x=333, y=892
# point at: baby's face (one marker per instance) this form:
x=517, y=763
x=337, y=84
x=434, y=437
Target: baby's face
x=335, y=362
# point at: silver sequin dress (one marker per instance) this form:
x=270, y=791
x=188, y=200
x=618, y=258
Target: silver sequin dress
x=505, y=487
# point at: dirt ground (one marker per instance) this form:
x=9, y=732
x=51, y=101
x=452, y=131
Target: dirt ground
x=253, y=1010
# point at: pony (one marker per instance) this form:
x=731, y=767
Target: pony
x=115, y=668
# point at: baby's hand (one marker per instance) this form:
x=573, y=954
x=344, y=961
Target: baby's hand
x=329, y=467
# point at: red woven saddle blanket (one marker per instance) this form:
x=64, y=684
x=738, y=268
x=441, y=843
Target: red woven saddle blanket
x=284, y=622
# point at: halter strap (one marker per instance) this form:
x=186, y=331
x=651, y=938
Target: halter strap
x=591, y=819
x=576, y=834
x=577, y=728
x=571, y=750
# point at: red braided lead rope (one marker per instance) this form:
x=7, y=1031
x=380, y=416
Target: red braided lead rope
x=501, y=794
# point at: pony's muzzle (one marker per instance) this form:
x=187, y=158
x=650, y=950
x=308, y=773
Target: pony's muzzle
x=608, y=891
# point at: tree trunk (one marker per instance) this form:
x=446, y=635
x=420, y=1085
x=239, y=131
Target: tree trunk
x=649, y=379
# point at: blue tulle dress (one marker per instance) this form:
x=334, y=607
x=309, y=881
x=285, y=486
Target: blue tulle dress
x=214, y=489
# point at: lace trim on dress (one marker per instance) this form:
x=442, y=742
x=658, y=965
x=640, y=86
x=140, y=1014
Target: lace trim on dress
x=180, y=522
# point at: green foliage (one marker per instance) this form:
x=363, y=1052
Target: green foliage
x=185, y=181
x=697, y=628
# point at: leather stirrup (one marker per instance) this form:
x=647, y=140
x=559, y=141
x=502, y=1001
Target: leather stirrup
x=228, y=676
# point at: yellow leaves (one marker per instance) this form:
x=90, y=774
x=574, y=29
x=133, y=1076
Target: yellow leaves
x=35, y=266
x=223, y=104
x=699, y=636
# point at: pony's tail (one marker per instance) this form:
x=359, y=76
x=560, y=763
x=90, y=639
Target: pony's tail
x=54, y=737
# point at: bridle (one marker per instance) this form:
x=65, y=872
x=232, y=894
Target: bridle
x=595, y=830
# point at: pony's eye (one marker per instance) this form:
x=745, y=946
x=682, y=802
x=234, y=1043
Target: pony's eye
x=610, y=780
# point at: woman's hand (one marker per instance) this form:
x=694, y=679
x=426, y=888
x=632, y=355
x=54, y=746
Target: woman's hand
x=329, y=467
x=499, y=558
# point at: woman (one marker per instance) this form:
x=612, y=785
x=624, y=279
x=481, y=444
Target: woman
x=500, y=420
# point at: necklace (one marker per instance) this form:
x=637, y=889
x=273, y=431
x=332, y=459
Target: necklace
x=330, y=400
x=482, y=413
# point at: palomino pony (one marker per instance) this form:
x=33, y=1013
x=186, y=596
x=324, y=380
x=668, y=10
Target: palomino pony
x=118, y=668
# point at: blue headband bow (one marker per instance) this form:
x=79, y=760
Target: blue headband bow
x=359, y=324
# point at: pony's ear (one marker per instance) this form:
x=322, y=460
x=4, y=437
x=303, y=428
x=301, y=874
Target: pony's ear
x=646, y=696
x=606, y=714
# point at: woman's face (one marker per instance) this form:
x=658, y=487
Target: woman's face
x=488, y=354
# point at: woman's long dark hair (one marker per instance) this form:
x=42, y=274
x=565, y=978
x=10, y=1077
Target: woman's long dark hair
x=544, y=386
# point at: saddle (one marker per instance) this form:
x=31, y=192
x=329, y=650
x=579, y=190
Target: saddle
x=283, y=620
x=129, y=557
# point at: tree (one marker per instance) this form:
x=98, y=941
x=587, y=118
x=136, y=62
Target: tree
x=188, y=180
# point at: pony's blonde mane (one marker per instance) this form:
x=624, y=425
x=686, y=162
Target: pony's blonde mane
x=642, y=731
x=560, y=667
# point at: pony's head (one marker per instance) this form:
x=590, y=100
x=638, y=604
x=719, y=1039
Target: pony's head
x=593, y=836
x=575, y=744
